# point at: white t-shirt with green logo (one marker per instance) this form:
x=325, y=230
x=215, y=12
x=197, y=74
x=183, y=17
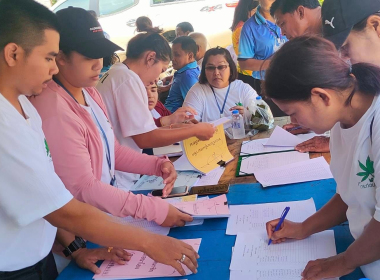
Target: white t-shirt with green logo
x=29, y=188
x=355, y=164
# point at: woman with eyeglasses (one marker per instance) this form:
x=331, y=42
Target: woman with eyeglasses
x=218, y=91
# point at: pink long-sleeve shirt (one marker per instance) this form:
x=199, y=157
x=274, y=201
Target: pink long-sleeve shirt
x=76, y=148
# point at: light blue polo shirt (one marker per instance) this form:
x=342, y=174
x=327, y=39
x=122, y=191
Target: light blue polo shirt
x=259, y=39
x=183, y=80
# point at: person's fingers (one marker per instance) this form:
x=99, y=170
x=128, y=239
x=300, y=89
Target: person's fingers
x=122, y=254
x=289, y=126
x=186, y=217
x=180, y=223
x=270, y=226
x=192, y=256
x=177, y=266
x=300, y=131
x=312, y=271
x=194, y=121
x=171, y=174
x=92, y=267
x=190, y=264
x=307, y=148
x=190, y=110
x=168, y=189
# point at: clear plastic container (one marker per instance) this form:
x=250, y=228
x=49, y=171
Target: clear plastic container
x=260, y=116
x=237, y=124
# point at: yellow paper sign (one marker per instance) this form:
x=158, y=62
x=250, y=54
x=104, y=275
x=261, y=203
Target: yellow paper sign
x=188, y=198
x=205, y=155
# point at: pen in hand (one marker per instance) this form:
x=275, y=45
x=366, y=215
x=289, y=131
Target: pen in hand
x=294, y=128
x=282, y=218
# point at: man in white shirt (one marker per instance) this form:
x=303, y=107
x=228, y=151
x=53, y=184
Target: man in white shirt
x=33, y=200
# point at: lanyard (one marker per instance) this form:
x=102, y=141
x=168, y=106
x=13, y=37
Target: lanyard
x=221, y=110
x=108, y=154
x=273, y=32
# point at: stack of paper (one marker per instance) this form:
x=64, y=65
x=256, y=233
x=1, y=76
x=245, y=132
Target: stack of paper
x=256, y=147
x=253, y=164
x=211, y=178
x=282, y=138
x=254, y=259
x=141, y=266
x=216, y=207
x=248, y=218
x=170, y=151
x=304, y=171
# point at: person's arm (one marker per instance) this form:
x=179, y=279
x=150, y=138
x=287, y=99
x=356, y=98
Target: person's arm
x=330, y=215
x=254, y=64
x=194, y=100
x=87, y=258
x=247, y=52
x=182, y=114
x=67, y=145
x=161, y=137
x=93, y=225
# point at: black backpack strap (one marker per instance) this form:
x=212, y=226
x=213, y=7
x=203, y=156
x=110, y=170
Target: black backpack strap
x=371, y=128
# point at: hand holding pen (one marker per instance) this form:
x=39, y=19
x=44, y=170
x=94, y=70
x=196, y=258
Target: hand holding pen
x=280, y=230
x=295, y=129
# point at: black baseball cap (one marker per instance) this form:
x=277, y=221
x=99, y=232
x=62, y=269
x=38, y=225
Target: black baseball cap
x=340, y=16
x=81, y=32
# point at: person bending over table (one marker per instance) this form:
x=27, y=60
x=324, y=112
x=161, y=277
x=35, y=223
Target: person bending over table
x=361, y=44
x=218, y=91
x=124, y=93
x=33, y=199
x=328, y=94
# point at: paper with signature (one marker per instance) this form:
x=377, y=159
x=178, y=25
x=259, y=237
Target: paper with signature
x=216, y=207
x=141, y=266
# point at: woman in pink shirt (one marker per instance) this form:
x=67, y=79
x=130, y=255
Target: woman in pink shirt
x=80, y=137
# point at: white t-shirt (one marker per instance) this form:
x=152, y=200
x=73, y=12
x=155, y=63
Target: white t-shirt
x=353, y=159
x=127, y=105
x=202, y=99
x=29, y=188
x=107, y=174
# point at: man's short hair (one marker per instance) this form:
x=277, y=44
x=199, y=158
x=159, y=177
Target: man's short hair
x=199, y=39
x=290, y=6
x=185, y=26
x=187, y=44
x=24, y=22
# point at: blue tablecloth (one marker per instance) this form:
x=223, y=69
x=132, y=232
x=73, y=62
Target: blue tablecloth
x=216, y=246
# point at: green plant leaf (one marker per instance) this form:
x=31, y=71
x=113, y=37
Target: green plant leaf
x=363, y=167
x=361, y=174
x=365, y=178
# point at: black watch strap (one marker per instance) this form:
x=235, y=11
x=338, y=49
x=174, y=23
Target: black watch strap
x=74, y=246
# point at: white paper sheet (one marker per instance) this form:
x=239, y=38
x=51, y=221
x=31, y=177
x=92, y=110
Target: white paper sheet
x=305, y=171
x=308, y=136
x=252, y=164
x=185, y=178
x=183, y=164
x=220, y=121
x=268, y=274
x=144, y=224
x=141, y=266
x=254, y=147
x=252, y=252
x=170, y=151
x=282, y=138
x=211, y=178
x=247, y=218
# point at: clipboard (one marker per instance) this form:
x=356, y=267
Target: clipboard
x=245, y=156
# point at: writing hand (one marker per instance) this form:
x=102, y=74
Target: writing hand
x=318, y=144
x=288, y=230
x=289, y=127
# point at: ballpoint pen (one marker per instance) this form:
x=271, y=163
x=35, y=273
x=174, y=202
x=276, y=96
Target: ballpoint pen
x=294, y=128
x=283, y=216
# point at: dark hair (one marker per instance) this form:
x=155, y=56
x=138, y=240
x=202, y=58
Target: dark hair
x=305, y=63
x=144, y=24
x=93, y=13
x=149, y=42
x=187, y=44
x=290, y=6
x=241, y=11
x=110, y=60
x=227, y=56
x=360, y=26
x=24, y=22
x=185, y=26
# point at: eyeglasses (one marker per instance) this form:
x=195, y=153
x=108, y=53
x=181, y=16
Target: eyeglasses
x=220, y=68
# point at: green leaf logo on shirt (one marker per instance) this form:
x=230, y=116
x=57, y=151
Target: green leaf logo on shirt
x=368, y=171
x=47, y=149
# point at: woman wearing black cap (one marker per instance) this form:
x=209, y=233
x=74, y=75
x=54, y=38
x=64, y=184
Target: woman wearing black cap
x=321, y=91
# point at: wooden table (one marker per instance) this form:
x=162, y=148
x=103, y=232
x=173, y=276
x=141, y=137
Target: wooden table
x=234, y=147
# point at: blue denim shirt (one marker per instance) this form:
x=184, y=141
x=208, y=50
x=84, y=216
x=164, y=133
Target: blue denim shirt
x=183, y=80
x=259, y=39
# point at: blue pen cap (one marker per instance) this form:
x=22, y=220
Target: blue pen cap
x=235, y=112
x=259, y=98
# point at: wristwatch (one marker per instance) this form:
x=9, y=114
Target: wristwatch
x=74, y=246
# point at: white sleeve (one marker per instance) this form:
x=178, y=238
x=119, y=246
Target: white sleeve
x=29, y=187
x=375, y=150
x=194, y=101
x=248, y=94
x=131, y=101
